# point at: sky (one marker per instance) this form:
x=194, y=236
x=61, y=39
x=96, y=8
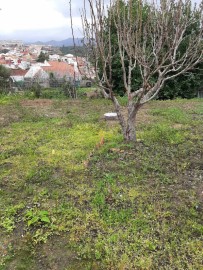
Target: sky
x=33, y=20
x=44, y=20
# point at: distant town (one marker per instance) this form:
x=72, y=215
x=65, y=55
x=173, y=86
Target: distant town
x=39, y=63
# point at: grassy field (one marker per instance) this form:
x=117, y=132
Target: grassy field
x=70, y=202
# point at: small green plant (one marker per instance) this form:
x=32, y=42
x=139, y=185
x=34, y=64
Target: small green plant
x=37, y=217
x=8, y=224
x=40, y=236
x=7, y=221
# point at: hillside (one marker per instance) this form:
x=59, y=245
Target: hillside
x=79, y=50
x=58, y=43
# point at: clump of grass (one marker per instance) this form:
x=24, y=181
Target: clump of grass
x=198, y=110
x=9, y=99
x=123, y=100
x=52, y=94
x=162, y=133
x=174, y=115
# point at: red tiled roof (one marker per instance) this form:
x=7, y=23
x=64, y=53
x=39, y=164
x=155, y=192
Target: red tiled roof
x=60, y=68
x=2, y=61
x=18, y=72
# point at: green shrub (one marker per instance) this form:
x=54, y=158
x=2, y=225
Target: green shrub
x=52, y=93
x=36, y=89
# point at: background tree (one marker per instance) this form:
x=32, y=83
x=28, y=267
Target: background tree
x=159, y=41
x=4, y=51
x=78, y=50
x=4, y=78
x=42, y=57
x=69, y=89
x=184, y=86
x=53, y=80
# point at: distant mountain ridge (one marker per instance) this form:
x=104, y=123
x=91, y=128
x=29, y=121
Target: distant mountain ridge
x=61, y=43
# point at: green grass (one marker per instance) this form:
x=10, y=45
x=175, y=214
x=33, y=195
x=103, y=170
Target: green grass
x=68, y=202
x=6, y=99
x=173, y=114
x=162, y=133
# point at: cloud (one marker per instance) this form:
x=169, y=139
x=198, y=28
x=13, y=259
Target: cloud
x=40, y=19
x=30, y=15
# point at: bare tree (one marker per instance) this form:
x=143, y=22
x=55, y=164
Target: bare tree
x=161, y=39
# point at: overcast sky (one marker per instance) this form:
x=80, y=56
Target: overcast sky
x=33, y=20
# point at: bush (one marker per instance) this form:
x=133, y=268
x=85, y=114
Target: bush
x=36, y=89
x=4, y=79
x=69, y=90
x=52, y=93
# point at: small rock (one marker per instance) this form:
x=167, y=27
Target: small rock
x=111, y=116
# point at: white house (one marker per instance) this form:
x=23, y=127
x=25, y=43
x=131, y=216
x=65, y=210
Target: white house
x=54, y=57
x=37, y=74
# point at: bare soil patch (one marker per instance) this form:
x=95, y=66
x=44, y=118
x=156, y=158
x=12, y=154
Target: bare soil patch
x=36, y=102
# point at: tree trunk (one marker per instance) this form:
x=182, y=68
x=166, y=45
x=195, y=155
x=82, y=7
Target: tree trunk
x=130, y=131
x=127, y=125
